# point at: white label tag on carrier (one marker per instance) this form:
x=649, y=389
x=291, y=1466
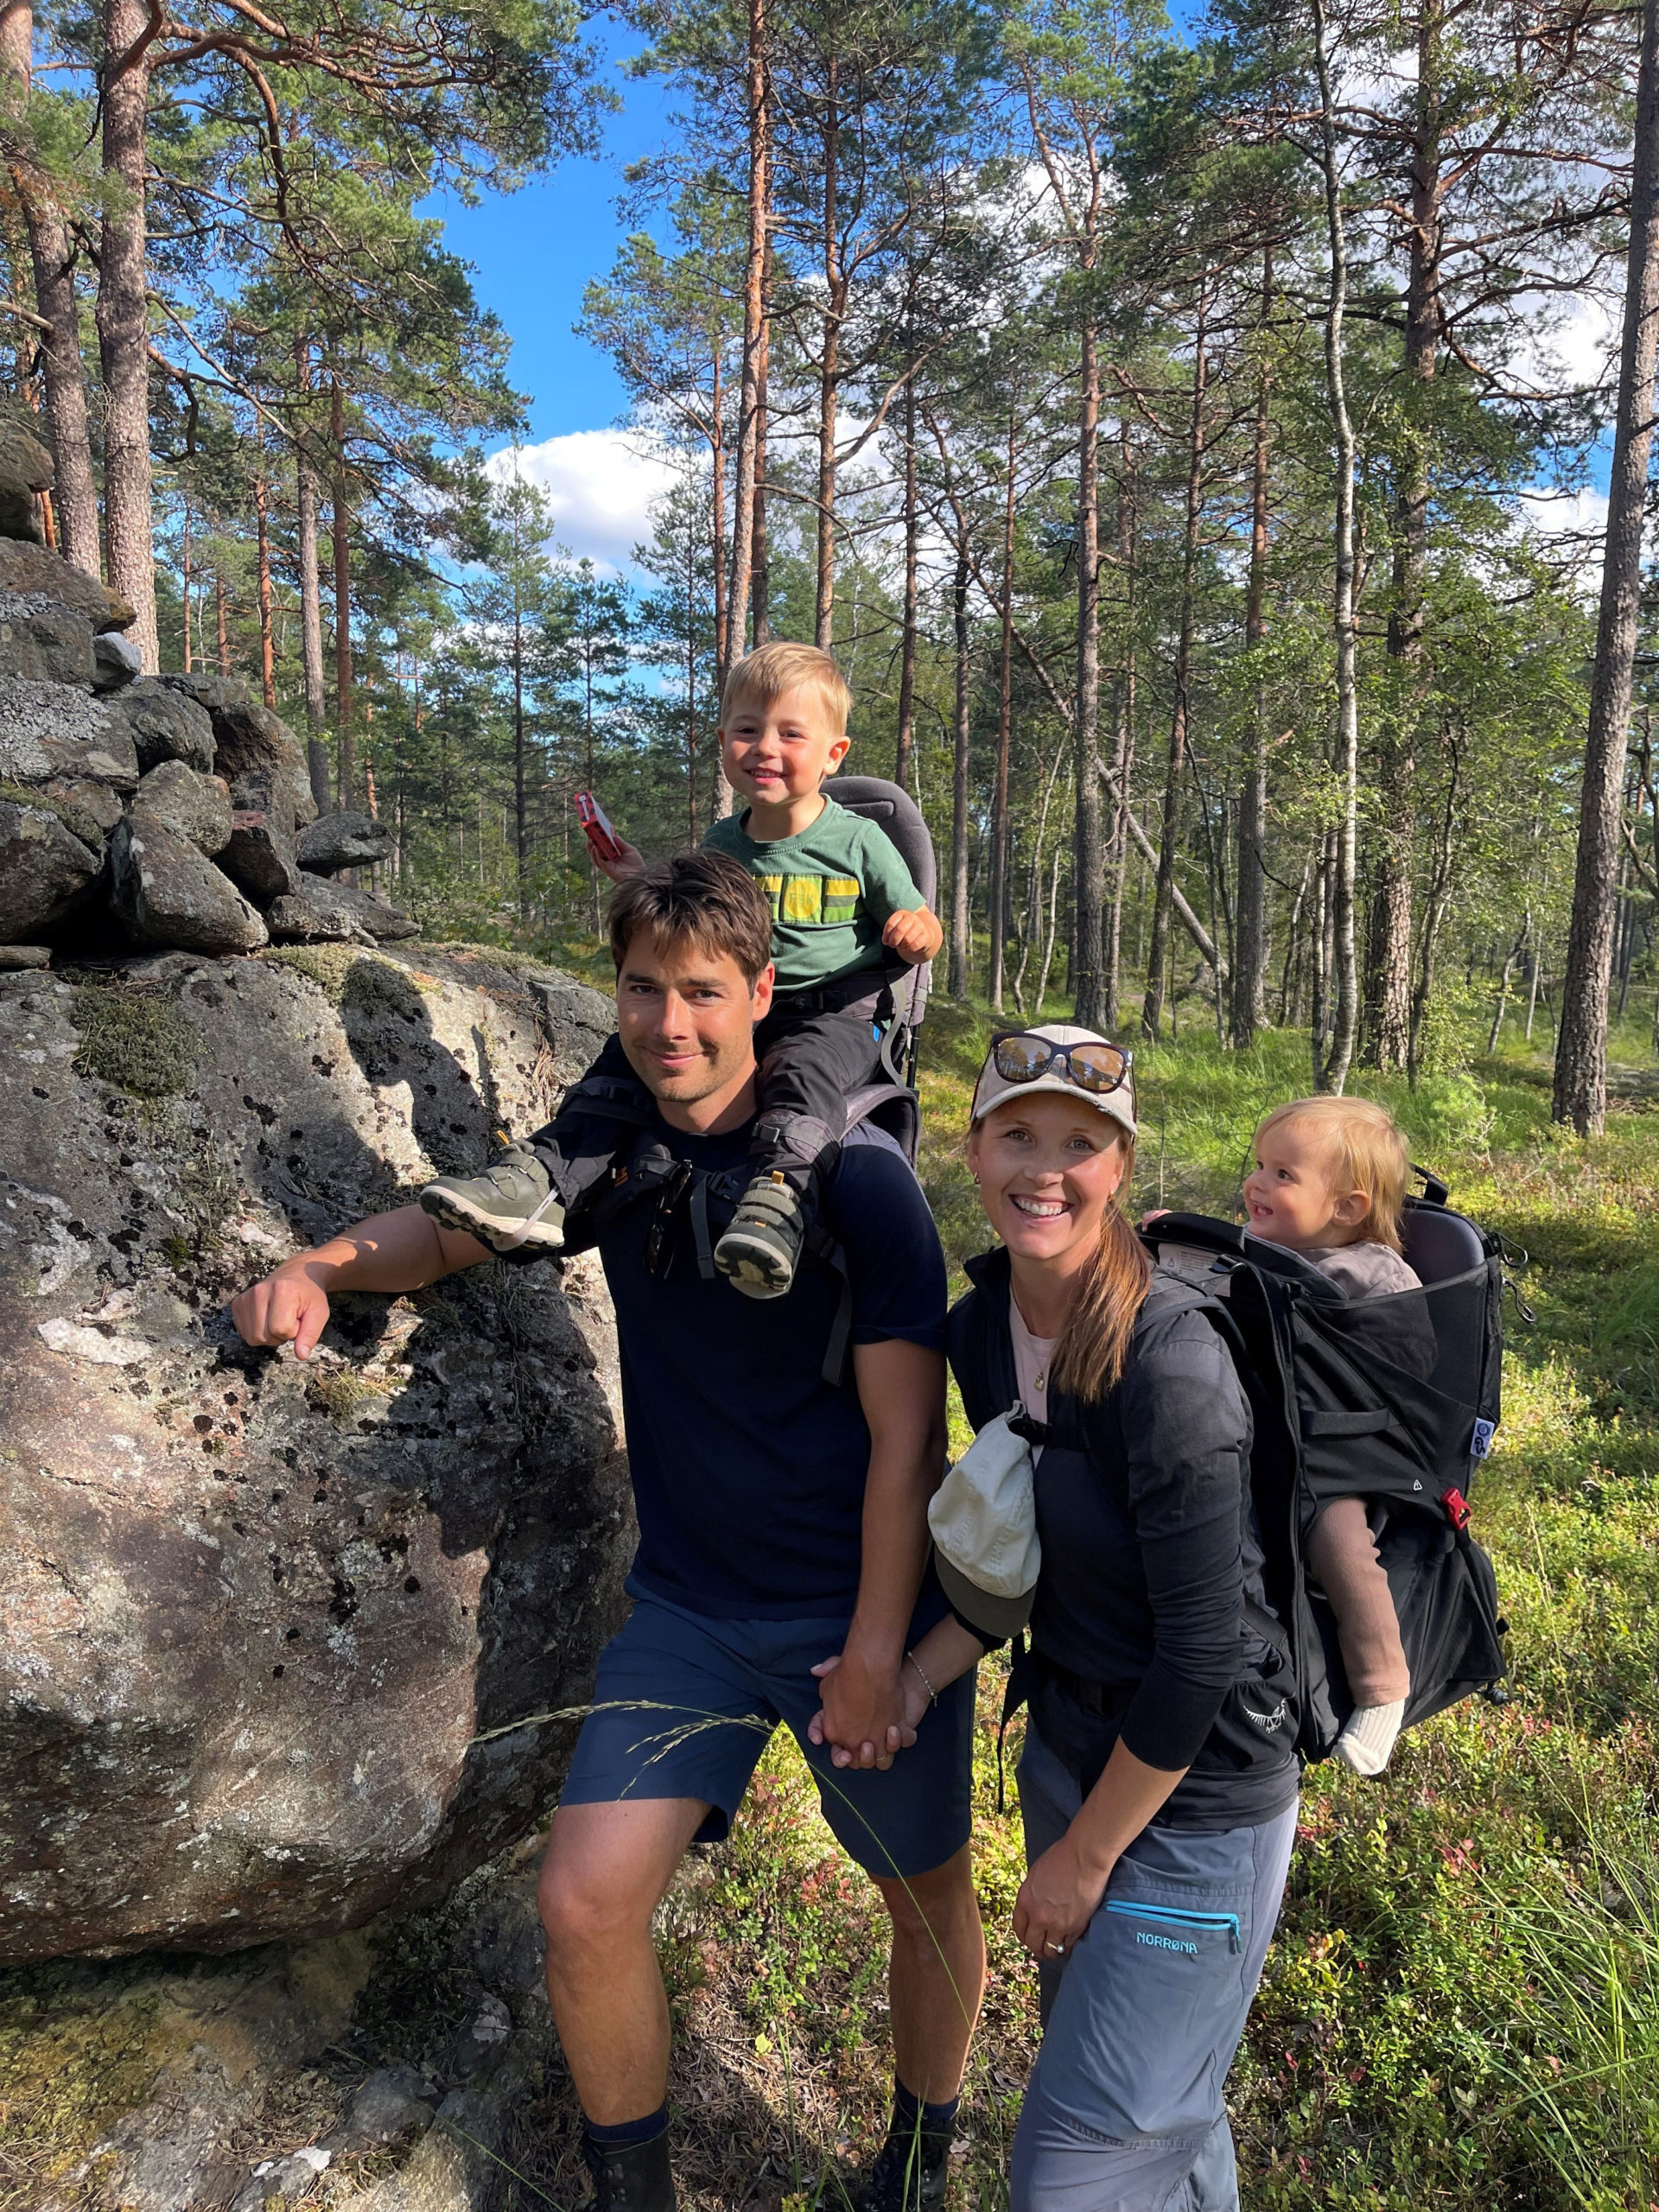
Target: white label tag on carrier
x=1481, y=1443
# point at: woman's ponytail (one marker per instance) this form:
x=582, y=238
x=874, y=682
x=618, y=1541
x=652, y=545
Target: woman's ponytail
x=1094, y=1342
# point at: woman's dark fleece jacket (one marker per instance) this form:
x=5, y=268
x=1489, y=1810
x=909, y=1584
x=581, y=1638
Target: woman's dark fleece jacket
x=1149, y=1549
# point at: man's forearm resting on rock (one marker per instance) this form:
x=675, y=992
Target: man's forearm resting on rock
x=389, y=1252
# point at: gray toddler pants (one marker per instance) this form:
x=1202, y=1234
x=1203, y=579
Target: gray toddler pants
x=1125, y=2112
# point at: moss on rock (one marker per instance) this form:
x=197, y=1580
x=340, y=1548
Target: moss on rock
x=133, y=1039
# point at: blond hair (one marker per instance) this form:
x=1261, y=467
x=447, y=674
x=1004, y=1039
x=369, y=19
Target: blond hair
x=771, y=669
x=1094, y=1345
x=1364, y=1152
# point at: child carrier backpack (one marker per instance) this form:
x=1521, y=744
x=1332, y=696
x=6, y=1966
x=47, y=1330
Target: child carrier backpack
x=1394, y=1400
x=893, y=810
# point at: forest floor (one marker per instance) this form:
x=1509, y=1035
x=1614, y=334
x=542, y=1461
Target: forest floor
x=1461, y=2007
x=1462, y=2004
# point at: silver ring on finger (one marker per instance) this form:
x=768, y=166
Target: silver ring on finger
x=1059, y=1948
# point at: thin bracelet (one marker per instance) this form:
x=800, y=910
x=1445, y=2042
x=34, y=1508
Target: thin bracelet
x=933, y=1695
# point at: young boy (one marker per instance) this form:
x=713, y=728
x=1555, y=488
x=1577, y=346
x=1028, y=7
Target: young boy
x=1329, y=1183
x=846, y=915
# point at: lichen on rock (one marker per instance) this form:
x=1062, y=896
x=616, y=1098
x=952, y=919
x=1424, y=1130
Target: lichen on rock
x=258, y=1614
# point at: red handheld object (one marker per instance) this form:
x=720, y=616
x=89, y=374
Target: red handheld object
x=602, y=840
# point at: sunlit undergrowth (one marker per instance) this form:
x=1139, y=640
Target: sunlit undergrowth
x=1461, y=2008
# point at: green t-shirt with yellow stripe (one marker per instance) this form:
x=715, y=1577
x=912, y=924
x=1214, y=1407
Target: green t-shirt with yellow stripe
x=833, y=888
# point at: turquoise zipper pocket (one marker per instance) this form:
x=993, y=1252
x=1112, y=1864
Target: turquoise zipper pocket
x=1169, y=1915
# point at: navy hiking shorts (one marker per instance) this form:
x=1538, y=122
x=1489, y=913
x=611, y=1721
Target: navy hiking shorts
x=685, y=1705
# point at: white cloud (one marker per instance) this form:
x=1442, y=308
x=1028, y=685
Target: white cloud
x=1571, y=525
x=1569, y=341
x=599, y=486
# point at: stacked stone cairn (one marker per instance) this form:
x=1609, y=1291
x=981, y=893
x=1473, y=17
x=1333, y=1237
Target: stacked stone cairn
x=167, y=812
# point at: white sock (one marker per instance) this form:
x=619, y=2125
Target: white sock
x=1368, y=1737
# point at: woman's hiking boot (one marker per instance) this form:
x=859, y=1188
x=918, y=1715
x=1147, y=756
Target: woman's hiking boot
x=910, y=2174
x=758, y=1254
x=629, y=2177
x=511, y=1205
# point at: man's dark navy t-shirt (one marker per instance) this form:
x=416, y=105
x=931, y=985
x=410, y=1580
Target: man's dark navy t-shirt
x=748, y=1468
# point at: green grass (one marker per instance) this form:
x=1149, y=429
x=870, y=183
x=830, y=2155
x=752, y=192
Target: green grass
x=1461, y=2008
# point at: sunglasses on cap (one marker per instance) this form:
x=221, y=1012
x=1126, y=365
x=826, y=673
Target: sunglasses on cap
x=1018, y=1056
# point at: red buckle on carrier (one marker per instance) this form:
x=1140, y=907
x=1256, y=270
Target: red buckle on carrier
x=1457, y=1509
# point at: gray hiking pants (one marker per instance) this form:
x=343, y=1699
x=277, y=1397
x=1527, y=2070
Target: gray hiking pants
x=1125, y=2112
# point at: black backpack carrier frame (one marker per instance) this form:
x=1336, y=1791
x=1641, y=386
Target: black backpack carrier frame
x=1393, y=1400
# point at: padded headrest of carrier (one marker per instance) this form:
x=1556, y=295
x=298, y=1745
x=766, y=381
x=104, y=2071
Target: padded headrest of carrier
x=892, y=808
x=1440, y=1244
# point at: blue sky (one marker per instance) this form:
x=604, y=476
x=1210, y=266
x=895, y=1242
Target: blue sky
x=531, y=254
x=533, y=251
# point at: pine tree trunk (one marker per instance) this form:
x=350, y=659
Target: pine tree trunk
x=51, y=256
x=1088, y=977
x=1333, y=1071
x=1580, y=1094
x=123, y=318
x=834, y=303
x=1388, y=986
x=339, y=530
x=717, y=508
x=760, y=566
x=520, y=790
x=1004, y=732
x=1122, y=730
x=961, y=930
x=311, y=635
x=267, y=643
x=221, y=624
x=1249, y=944
x=907, y=644
x=307, y=502
x=737, y=605
x=184, y=579
x=1152, y=1005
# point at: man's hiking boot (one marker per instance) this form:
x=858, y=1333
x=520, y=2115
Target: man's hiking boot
x=759, y=1252
x=629, y=2177
x=513, y=1204
x=909, y=2175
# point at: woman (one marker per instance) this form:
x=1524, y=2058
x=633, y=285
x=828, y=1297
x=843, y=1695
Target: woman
x=1158, y=1782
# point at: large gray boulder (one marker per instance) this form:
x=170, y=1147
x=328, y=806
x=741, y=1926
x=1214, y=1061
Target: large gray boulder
x=196, y=808
x=45, y=870
x=344, y=839
x=116, y=662
x=48, y=731
x=51, y=645
x=167, y=725
x=265, y=1620
x=318, y=911
x=260, y=855
x=250, y=742
x=32, y=571
x=166, y=892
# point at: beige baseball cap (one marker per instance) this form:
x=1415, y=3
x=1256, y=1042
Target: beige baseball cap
x=993, y=1089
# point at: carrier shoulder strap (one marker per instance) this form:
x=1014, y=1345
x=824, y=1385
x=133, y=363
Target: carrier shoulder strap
x=651, y=1171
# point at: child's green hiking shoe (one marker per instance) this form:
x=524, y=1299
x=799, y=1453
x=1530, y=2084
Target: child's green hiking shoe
x=511, y=1205
x=759, y=1252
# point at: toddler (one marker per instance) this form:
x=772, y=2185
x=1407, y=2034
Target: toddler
x=1330, y=1184
x=846, y=916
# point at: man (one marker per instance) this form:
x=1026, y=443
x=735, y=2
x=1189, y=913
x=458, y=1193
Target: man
x=782, y=1519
